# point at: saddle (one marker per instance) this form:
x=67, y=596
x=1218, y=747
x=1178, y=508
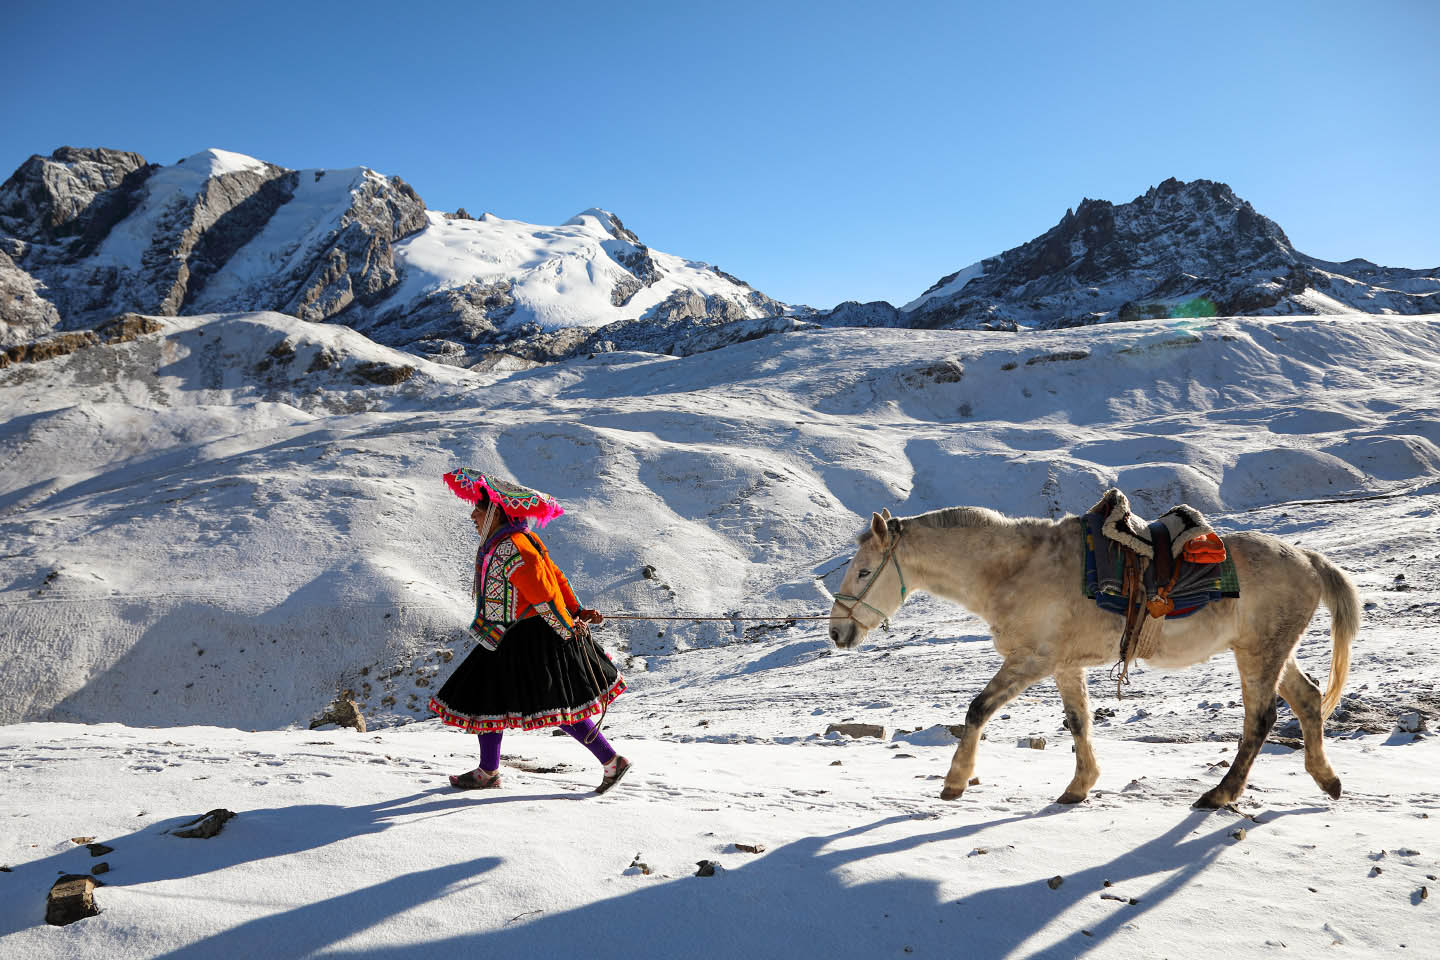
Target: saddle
x=1151, y=570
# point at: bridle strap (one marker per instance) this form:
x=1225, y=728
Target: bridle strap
x=890, y=556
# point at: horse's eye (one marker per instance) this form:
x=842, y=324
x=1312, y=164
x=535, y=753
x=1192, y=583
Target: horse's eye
x=864, y=574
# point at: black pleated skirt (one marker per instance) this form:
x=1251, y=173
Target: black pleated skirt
x=534, y=678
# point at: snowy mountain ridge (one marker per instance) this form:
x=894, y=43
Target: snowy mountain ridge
x=89, y=233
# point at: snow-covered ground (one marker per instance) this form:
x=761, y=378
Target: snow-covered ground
x=210, y=532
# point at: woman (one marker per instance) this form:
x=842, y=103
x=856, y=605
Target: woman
x=535, y=665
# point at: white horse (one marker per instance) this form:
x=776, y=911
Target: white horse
x=1022, y=577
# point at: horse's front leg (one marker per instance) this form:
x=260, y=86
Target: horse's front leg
x=1015, y=674
x=1071, y=682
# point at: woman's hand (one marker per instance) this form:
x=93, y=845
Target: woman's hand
x=586, y=615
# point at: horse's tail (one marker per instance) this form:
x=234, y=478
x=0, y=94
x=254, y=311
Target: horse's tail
x=1343, y=600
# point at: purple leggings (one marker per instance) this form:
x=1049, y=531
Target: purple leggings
x=584, y=731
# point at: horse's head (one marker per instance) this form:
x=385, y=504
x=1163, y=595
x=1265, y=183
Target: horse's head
x=874, y=585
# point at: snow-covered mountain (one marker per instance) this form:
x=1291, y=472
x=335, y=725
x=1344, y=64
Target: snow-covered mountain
x=1179, y=250
x=86, y=234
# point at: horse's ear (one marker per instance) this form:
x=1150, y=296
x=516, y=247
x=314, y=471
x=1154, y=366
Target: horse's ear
x=878, y=527
x=885, y=512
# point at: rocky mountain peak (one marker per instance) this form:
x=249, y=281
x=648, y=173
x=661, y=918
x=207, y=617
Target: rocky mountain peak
x=70, y=192
x=1177, y=249
x=86, y=234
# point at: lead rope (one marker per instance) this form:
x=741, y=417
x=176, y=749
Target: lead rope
x=591, y=654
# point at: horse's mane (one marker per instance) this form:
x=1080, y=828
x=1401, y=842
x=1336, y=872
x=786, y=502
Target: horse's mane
x=951, y=517
x=961, y=517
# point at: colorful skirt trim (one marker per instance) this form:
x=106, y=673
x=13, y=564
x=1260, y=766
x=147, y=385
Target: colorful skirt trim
x=535, y=678
x=512, y=721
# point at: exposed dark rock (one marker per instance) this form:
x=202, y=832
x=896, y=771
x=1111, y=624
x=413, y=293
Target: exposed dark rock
x=385, y=374
x=857, y=729
x=852, y=313
x=71, y=898
x=359, y=266
x=343, y=712
x=949, y=370
x=65, y=343
x=24, y=314
x=98, y=849
x=206, y=826
x=74, y=192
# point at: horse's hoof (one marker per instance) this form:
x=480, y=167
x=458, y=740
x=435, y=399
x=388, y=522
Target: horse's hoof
x=1070, y=797
x=1332, y=788
x=1212, y=800
x=951, y=793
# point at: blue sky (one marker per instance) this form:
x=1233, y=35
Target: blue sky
x=820, y=151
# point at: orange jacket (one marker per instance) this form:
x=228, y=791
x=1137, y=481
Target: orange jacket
x=519, y=580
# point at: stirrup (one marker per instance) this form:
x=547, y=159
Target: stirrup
x=476, y=779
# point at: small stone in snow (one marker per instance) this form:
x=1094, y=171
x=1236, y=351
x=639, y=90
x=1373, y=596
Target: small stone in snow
x=837, y=763
x=1055, y=882
x=857, y=730
x=750, y=847
x=1239, y=834
x=974, y=781
x=1411, y=722
x=99, y=868
x=71, y=898
x=205, y=826
x=98, y=849
x=707, y=868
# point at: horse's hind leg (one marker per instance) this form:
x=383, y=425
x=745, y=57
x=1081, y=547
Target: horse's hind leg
x=1304, y=698
x=1015, y=674
x=1071, y=682
x=1259, y=675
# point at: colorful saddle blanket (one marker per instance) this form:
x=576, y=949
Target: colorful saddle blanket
x=1109, y=529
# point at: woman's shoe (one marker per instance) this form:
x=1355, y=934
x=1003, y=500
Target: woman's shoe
x=475, y=780
x=622, y=766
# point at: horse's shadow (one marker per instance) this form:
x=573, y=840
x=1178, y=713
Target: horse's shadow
x=819, y=896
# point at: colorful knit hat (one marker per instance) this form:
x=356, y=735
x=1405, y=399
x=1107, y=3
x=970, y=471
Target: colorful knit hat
x=515, y=500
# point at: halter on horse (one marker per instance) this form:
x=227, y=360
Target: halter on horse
x=859, y=599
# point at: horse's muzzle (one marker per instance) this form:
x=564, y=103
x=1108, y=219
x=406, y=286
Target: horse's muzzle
x=843, y=634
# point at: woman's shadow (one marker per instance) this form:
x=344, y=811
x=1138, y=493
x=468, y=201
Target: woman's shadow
x=154, y=853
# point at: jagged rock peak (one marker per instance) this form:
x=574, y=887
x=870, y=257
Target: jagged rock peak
x=56, y=196
x=1176, y=249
